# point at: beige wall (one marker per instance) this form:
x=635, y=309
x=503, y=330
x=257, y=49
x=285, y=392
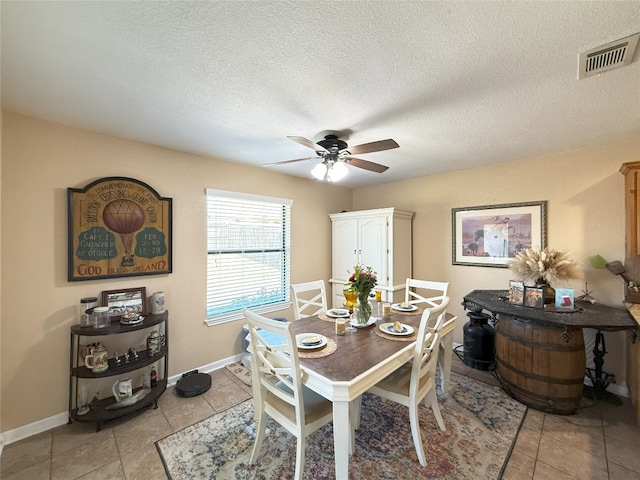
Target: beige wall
x=584, y=191
x=40, y=160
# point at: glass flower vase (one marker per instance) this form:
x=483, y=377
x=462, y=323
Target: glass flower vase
x=362, y=311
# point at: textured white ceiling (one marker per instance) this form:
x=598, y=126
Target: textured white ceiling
x=456, y=84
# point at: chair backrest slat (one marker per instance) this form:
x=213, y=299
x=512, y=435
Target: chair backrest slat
x=425, y=291
x=280, y=360
x=428, y=342
x=309, y=298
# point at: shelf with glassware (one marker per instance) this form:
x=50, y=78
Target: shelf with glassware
x=89, y=363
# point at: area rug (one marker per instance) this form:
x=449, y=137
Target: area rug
x=482, y=424
x=240, y=372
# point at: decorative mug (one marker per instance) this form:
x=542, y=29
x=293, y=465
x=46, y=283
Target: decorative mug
x=97, y=360
x=122, y=389
x=157, y=303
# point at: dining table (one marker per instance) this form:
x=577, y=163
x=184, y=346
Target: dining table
x=360, y=360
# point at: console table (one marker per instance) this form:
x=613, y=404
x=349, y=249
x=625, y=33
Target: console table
x=540, y=353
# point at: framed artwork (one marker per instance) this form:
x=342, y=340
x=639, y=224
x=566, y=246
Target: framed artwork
x=490, y=236
x=516, y=292
x=534, y=297
x=125, y=300
x=118, y=227
x=564, y=298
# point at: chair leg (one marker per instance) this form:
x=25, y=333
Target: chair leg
x=260, y=427
x=433, y=400
x=300, y=457
x=415, y=432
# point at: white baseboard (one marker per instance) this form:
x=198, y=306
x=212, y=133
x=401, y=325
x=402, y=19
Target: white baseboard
x=20, y=433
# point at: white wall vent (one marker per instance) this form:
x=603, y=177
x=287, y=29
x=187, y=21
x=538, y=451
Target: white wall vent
x=607, y=57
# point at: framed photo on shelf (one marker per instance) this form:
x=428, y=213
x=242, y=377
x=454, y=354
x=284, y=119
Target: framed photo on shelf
x=125, y=300
x=534, y=297
x=516, y=292
x=490, y=236
x=564, y=298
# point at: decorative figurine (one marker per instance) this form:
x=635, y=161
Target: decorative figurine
x=133, y=353
x=586, y=295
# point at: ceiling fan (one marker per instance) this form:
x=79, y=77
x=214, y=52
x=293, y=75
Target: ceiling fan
x=335, y=153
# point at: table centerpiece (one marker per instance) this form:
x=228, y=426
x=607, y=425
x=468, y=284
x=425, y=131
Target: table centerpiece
x=362, y=280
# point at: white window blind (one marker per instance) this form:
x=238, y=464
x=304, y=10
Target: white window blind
x=248, y=245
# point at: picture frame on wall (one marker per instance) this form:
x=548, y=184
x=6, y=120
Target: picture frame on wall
x=492, y=235
x=534, y=297
x=118, y=227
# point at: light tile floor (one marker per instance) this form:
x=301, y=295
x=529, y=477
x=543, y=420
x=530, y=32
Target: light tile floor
x=599, y=443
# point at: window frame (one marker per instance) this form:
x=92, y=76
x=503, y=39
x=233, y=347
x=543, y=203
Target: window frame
x=285, y=248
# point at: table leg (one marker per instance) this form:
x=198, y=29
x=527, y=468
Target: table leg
x=341, y=438
x=599, y=378
x=444, y=360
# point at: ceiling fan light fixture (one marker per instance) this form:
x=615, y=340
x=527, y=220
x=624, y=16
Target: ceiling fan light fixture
x=319, y=171
x=337, y=171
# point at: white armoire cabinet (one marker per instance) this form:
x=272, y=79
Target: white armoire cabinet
x=379, y=238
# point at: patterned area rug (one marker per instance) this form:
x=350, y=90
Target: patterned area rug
x=482, y=424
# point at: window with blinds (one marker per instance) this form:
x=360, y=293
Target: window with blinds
x=248, y=244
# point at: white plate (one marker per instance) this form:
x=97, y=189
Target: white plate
x=310, y=341
x=400, y=308
x=357, y=324
x=338, y=313
x=388, y=328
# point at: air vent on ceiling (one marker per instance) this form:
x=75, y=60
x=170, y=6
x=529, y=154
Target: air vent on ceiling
x=607, y=57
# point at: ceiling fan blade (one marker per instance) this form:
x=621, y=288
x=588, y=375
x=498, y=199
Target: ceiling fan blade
x=373, y=167
x=289, y=161
x=372, y=147
x=308, y=143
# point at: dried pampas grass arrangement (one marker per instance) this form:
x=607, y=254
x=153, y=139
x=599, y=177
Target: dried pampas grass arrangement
x=534, y=265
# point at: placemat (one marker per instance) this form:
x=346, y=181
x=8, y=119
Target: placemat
x=330, y=348
x=326, y=318
x=397, y=338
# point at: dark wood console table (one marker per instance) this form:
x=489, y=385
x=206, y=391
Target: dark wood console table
x=540, y=353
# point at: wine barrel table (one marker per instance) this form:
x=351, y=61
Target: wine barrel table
x=540, y=353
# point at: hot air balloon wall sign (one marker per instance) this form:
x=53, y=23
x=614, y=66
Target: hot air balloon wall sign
x=118, y=227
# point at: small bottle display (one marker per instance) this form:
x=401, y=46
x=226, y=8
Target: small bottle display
x=85, y=311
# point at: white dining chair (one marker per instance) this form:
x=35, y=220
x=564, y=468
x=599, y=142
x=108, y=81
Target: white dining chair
x=431, y=293
x=415, y=380
x=277, y=387
x=309, y=298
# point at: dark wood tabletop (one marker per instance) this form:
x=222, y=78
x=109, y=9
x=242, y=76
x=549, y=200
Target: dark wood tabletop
x=357, y=352
x=586, y=315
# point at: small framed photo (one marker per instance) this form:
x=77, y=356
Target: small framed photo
x=564, y=298
x=534, y=297
x=516, y=292
x=125, y=300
